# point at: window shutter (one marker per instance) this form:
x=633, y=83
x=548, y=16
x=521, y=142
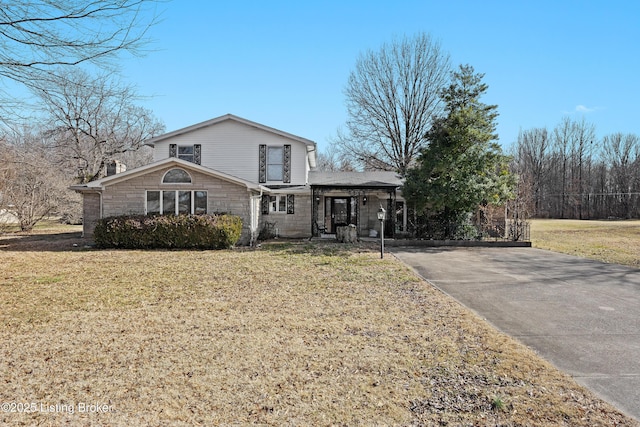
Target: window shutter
x=290, y=200
x=286, y=164
x=197, y=154
x=265, y=204
x=173, y=150
x=262, y=164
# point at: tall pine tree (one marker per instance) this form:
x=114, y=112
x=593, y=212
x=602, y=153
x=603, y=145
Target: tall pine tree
x=463, y=166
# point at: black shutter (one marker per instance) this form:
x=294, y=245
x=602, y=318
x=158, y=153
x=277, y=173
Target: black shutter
x=173, y=150
x=286, y=164
x=262, y=163
x=290, y=200
x=197, y=154
x=265, y=204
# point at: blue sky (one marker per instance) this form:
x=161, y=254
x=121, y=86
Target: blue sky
x=285, y=63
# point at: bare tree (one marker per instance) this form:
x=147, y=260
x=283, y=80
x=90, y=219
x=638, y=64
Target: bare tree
x=563, y=139
x=332, y=161
x=518, y=210
x=531, y=159
x=584, y=134
x=6, y=176
x=31, y=185
x=622, y=153
x=94, y=121
x=40, y=38
x=392, y=97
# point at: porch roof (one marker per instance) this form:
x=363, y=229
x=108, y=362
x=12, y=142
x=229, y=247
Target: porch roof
x=375, y=179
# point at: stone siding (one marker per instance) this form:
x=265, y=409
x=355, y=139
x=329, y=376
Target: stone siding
x=296, y=225
x=90, y=213
x=369, y=214
x=129, y=197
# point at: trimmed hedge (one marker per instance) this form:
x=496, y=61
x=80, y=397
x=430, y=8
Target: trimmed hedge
x=168, y=231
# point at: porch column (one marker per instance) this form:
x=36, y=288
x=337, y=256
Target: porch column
x=394, y=217
x=314, y=212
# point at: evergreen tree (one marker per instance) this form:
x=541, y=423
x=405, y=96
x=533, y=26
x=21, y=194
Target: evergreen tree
x=463, y=166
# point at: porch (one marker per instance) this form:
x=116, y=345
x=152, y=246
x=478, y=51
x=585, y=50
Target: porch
x=354, y=198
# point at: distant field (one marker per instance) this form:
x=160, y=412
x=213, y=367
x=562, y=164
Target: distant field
x=609, y=241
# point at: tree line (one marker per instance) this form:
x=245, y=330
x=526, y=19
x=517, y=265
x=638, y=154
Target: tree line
x=568, y=172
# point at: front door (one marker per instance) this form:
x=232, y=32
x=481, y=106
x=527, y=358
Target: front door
x=339, y=212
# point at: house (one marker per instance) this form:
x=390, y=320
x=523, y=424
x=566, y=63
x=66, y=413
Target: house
x=264, y=175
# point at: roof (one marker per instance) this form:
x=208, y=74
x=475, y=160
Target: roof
x=374, y=179
x=99, y=184
x=226, y=117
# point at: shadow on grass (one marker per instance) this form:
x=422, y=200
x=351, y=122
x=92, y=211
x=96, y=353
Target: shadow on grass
x=68, y=241
x=44, y=242
x=317, y=247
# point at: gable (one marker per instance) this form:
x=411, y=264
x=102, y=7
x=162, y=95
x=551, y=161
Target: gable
x=222, y=119
x=150, y=173
x=232, y=145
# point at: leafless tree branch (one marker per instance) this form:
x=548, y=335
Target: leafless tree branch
x=41, y=39
x=393, y=95
x=94, y=121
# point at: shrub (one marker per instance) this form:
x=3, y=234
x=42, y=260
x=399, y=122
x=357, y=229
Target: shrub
x=445, y=226
x=268, y=231
x=168, y=231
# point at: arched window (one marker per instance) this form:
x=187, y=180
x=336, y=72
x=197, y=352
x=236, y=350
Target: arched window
x=179, y=176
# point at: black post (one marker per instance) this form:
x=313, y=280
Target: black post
x=382, y=239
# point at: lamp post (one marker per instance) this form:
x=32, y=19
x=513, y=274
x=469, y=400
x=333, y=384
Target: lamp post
x=381, y=216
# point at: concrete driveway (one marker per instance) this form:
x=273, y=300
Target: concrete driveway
x=583, y=316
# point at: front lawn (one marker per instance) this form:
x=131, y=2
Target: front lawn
x=290, y=334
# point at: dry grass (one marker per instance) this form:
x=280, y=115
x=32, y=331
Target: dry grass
x=609, y=241
x=291, y=334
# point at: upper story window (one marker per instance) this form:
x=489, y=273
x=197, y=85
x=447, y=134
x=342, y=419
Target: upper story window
x=185, y=152
x=275, y=161
x=190, y=153
x=179, y=176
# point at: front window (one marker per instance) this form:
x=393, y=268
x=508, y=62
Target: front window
x=199, y=202
x=184, y=202
x=153, y=202
x=168, y=202
x=278, y=204
x=275, y=162
x=175, y=202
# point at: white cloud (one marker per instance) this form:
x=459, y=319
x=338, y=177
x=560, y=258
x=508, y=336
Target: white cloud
x=583, y=109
